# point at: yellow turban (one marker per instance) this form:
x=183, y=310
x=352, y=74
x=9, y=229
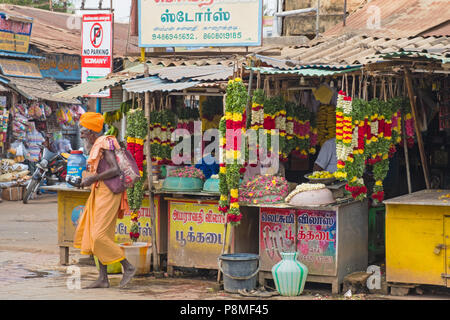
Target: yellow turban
x=92, y=121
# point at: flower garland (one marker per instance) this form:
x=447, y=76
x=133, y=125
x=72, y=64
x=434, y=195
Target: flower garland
x=302, y=131
x=344, y=133
x=187, y=117
x=354, y=166
x=257, y=117
x=375, y=131
x=223, y=186
x=275, y=118
x=304, y=187
x=162, y=124
x=409, y=123
x=235, y=119
x=137, y=129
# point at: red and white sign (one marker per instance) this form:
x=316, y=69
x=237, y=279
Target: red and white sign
x=96, y=50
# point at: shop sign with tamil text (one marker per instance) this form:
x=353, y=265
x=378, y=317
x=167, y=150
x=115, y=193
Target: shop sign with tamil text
x=185, y=23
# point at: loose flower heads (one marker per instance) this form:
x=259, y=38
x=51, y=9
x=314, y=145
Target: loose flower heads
x=264, y=189
x=187, y=172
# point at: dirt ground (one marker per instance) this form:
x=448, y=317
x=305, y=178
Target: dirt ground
x=30, y=269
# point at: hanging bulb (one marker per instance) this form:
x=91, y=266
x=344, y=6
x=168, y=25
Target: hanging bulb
x=302, y=81
x=332, y=84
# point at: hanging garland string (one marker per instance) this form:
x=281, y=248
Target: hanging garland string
x=230, y=168
x=137, y=129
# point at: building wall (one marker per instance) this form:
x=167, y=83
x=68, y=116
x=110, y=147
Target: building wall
x=331, y=13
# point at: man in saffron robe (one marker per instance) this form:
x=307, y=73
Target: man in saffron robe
x=96, y=229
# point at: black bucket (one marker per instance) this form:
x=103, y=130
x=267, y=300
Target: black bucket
x=239, y=271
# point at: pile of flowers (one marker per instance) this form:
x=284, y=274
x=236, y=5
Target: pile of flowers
x=187, y=172
x=162, y=124
x=136, y=132
x=231, y=167
x=304, y=187
x=264, y=189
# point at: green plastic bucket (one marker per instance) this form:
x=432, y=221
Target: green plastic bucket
x=110, y=268
x=239, y=271
x=182, y=184
x=211, y=185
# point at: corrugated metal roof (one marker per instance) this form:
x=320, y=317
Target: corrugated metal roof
x=302, y=72
x=204, y=73
x=350, y=50
x=152, y=84
x=19, y=55
x=4, y=89
x=443, y=58
x=399, y=18
x=108, y=82
x=35, y=89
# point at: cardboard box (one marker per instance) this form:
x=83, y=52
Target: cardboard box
x=13, y=193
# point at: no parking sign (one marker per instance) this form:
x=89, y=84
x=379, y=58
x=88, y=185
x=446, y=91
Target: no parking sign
x=97, y=45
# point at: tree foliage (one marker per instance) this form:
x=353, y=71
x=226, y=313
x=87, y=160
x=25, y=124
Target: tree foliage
x=58, y=5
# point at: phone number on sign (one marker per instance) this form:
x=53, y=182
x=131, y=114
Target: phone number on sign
x=222, y=35
x=170, y=36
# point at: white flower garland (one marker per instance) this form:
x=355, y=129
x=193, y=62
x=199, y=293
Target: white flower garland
x=305, y=187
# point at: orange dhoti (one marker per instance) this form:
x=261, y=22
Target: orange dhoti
x=96, y=229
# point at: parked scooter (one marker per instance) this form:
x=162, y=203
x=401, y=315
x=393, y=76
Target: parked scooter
x=51, y=169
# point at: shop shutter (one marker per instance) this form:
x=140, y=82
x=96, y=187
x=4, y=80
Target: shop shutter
x=113, y=103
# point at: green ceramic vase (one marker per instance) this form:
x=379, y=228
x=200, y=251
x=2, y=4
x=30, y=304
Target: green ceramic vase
x=289, y=275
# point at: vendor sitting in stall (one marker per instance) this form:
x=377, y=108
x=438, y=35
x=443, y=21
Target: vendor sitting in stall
x=326, y=160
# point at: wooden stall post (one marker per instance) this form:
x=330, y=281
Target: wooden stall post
x=405, y=149
x=416, y=126
x=150, y=185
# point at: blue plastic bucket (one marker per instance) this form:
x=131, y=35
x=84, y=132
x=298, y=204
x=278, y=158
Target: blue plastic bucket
x=239, y=271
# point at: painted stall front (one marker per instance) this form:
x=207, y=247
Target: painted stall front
x=418, y=239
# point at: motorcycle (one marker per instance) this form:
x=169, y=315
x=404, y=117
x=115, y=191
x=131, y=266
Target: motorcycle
x=51, y=169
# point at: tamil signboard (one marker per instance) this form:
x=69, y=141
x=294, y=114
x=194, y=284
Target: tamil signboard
x=15, y=33
x=18, y=68
x=60, y=67
x=96, y=51
x=190, y=23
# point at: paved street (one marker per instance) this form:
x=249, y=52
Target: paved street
x=30, y=269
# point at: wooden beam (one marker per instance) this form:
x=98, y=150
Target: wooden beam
x=412, y=100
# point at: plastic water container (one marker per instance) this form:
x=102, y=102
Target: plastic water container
x=76, y=164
